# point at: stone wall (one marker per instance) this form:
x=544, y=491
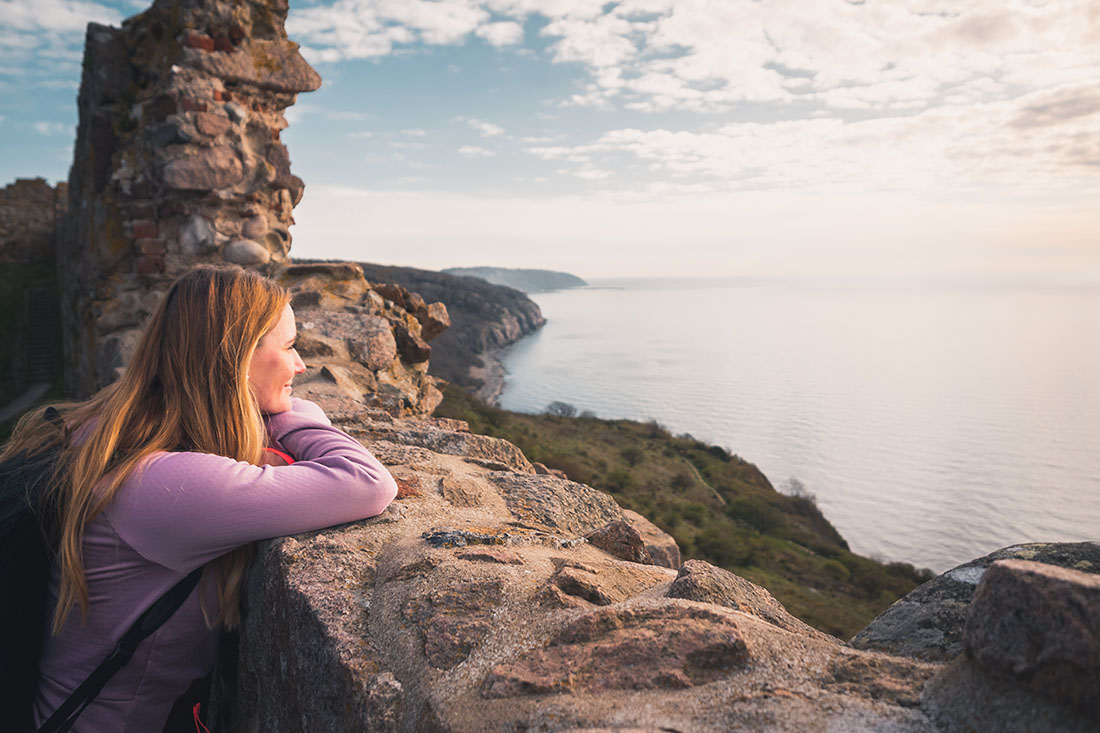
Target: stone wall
x=29, y=211
x=178, y=161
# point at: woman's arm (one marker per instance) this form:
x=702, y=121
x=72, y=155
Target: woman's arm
x=183, y=509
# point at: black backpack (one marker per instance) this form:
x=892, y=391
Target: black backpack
x=28, y=537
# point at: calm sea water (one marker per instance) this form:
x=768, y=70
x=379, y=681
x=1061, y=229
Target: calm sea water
x=935, y=422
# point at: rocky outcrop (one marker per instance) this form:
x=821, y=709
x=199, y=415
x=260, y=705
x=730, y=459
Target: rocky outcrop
x=363, y=352
x=484, y=319
x=29, y=210
x=475, y=603
x=178, y=161
x=929, y=622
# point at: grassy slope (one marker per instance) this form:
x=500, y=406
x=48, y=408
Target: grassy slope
x=719, y=508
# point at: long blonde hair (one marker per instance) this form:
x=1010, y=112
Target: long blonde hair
x=185, y=388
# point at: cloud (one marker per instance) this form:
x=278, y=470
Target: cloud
x=507, y=33
x=473, y=151
x=1040, y=143
x=656, y=55
x=52, y=128
x=62, y=16
x=487, y=129
x=415, y=133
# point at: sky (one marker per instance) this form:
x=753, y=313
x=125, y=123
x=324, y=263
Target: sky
x=902, y=138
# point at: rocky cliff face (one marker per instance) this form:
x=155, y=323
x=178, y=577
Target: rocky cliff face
x=489, y=596
x=484, y=319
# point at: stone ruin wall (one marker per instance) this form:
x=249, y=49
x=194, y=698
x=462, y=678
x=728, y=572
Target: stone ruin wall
x=29, y=211
x=491, y=594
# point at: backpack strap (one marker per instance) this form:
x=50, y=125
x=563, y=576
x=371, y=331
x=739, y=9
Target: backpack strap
x=153, y=618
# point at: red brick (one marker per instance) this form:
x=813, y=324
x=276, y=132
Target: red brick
x=199, y=40
x=221, y=43
x=143, y=229
x=149, y=264
x=236, y=34
x=150, y=246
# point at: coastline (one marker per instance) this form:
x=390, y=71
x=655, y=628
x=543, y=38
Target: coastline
x=491, y=375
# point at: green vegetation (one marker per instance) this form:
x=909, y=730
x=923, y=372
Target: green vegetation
x=719, y=507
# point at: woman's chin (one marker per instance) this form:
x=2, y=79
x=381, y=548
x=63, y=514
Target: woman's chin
x=274, y=407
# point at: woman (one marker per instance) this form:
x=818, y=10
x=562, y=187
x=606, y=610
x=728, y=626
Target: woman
x=163, y=473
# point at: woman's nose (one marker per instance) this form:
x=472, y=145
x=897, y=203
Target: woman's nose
x=299, y=365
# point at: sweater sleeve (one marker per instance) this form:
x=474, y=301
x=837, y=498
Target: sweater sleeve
x=182, y=510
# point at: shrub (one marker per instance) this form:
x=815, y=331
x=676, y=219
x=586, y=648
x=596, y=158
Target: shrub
x=618, y=480
x=680, y=482
x=560, y=409
x=754, y=513
x=695, y=513
x=836, y=570
x=632, y=454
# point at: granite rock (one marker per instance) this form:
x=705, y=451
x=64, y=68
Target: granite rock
x=928, y=623
x=701, y=581
x=1039, y=624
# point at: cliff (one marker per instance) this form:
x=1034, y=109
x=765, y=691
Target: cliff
x=484, y=319
x=529, y=281
x=491, y=596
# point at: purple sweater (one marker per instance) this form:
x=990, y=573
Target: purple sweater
x=174, y=513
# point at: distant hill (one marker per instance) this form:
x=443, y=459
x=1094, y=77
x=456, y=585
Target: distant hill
x=529, y=281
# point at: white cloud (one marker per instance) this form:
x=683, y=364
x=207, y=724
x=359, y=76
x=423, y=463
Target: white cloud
x=415, y=133
x=473, y=151
x=1043, y=142
x=52, y=128
x=487, y=129
x=360, y=134
x=65, y=16
x=507, y=33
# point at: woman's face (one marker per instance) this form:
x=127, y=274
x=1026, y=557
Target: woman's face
x=274, y=364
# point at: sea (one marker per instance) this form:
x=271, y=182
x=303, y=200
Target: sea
x=934, y=420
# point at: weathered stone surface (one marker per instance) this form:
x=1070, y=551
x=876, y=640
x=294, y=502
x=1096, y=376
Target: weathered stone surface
x=670, y=647
x=434, y=320
x=928, y=622
x=412, y=348
x=453, y=620
x=606, y=584
x=491, y=554
x=254, y=227
x=555, y=504
x=963, y=698
x=209, y=123
x=206, y=169
x=1040, y=625
x=660, y=545
x=246, y=252
x=701, y=581
x=196, y=236
x=497, y=451
x=620, y=540
x=274, y=65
